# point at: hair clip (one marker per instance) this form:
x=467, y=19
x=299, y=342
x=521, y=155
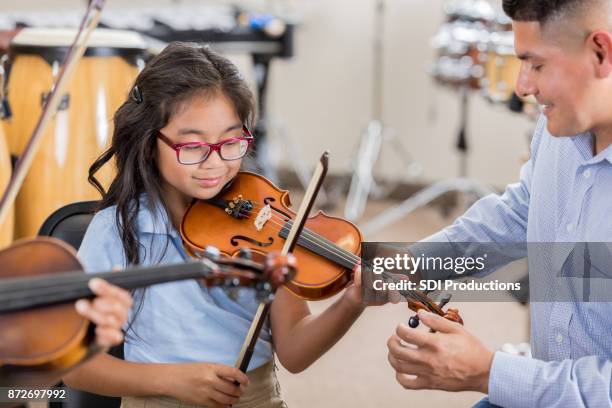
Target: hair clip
x=136, y=94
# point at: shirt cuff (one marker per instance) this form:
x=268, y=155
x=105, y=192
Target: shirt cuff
x=436, y=245
x=511, y=380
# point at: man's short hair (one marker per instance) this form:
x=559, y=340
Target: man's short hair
x=544, y=11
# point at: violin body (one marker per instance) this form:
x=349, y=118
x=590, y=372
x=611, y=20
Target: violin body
x=325, y=268
x=41, y=334
x=38, y=346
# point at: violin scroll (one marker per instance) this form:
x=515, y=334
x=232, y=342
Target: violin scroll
x=450, y=313
x=232, y=273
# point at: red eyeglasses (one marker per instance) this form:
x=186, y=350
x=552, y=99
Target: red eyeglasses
x=196, y=152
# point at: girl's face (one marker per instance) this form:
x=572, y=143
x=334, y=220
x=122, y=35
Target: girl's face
x=204, y=118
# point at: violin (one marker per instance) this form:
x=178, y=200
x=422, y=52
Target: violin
x=251, y=212
x=41, y=334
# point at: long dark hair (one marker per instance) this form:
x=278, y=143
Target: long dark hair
x=180, y=72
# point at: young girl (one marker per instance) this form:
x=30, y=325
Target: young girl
x=183, y=339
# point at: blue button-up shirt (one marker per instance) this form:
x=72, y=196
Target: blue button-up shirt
x=564, y=195
x=179, y=321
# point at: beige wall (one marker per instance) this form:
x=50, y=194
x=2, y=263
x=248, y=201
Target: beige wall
x=323, y=96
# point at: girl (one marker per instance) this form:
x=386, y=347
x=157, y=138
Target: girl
x=182, y=135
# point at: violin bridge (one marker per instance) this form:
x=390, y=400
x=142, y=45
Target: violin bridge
x=262, y=217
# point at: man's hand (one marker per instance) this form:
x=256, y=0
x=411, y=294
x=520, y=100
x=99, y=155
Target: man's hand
x=108, y=311
x=451, y=359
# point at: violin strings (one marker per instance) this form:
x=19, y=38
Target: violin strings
x=312, y=237
x=330, y=246
x=309, y=236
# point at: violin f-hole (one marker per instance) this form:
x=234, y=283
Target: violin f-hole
x=234, y=241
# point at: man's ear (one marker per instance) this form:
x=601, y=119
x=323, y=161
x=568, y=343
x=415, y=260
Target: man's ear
x=600, y=45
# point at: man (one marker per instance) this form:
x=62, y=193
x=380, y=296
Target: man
x=564, y=195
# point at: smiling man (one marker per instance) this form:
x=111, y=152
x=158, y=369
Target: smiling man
x=564, y=195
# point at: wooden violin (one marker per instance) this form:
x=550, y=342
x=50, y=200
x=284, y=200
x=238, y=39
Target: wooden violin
x=41, y=334
x=251, y=212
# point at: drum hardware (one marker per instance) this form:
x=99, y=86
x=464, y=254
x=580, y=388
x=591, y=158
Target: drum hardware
x=363, y=182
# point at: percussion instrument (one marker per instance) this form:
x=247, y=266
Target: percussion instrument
x=6, y=228
x=459, y=46
x=81, y=129
x=502, y=67
x=470, y=10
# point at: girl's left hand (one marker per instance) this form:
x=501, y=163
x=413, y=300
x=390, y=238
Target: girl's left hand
x=352, y=294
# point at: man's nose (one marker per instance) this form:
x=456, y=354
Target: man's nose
x=525, y=84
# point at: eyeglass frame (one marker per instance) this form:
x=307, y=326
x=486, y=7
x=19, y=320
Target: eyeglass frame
x=214, y=147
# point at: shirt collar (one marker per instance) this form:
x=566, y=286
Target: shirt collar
x=153, y=218
x=584, y=144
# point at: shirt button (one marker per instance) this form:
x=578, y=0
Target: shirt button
x=559, y=338
x=586, y=173
x=570, y=227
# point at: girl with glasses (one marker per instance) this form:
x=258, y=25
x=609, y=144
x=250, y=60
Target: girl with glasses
x=183, y=134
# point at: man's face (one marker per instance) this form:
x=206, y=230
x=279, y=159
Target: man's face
x=559, y=73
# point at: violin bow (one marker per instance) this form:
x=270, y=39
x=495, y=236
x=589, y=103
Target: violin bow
x=248, y=347
x=76, y=51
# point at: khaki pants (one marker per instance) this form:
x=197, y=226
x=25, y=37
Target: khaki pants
x=262, y=392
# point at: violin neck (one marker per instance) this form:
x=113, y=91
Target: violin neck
x=25, y=293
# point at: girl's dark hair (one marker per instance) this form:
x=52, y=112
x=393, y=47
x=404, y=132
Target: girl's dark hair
x=180, y=72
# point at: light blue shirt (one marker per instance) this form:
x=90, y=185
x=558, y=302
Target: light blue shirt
x=564, y=195
x=179, y=321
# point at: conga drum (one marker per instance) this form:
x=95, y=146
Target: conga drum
x=81, y=129
x=6, y=227
x=502, y=67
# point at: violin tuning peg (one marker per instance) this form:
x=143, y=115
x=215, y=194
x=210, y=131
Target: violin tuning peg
x=232, y=204
x=445, y=299
x=228, y=211
x=414, y=321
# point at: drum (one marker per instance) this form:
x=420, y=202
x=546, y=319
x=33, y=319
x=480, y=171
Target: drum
x=502, y=67
x=459, y=46
x=470, y=10
x=81, y=129
x=6, y=227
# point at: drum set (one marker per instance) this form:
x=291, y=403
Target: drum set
x=80, y=131
x=475, y=51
